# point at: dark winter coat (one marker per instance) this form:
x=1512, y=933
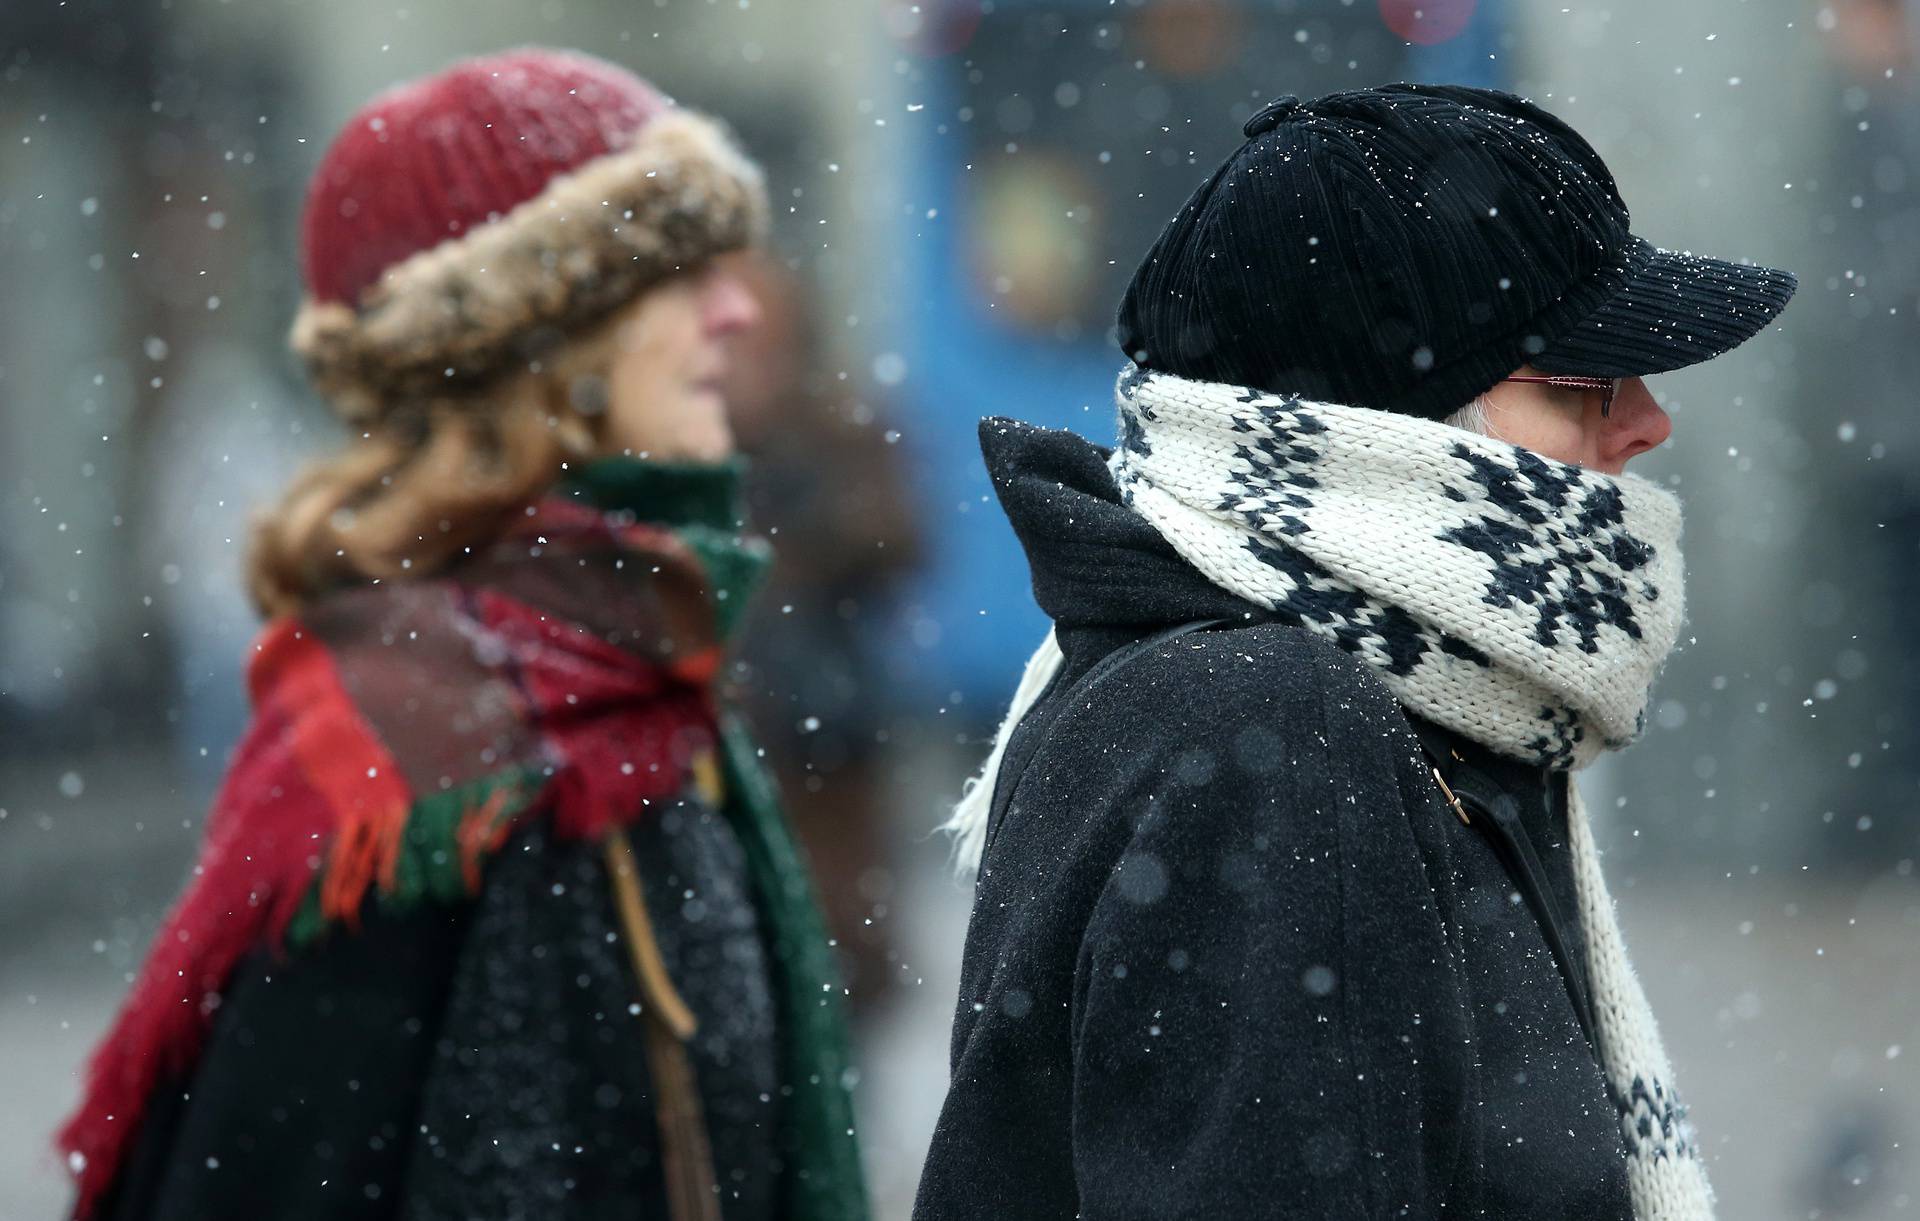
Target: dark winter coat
x=518, y=1088
x=1231, y=952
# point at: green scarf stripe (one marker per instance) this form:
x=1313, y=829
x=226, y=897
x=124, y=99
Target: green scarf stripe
x=733, y=566
x=702, y=505
x=665, y=493
x=307, y=923
x=428, y=869
x=828, y=1184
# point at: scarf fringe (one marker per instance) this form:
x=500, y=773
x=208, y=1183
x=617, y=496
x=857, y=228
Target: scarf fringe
x=431, y=852
x=438, y=848
x=968, y=823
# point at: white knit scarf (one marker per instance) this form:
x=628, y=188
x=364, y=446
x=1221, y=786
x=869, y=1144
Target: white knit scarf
x=1525, y=603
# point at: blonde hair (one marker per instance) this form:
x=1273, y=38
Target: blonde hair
x=430, y=480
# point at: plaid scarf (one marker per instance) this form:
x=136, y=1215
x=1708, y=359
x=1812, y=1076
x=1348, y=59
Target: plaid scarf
x=401, y=733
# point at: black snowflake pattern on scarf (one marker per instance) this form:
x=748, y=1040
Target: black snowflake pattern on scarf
x=1133, y=431
x=1653, y=1121
x=1276, y=458
x=1559, y=739
x=1385, y=635
x=1273, y=464
x=1558, y=544
x=1273, y=485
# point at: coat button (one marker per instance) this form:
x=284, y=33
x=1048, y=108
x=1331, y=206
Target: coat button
x=1268, y=117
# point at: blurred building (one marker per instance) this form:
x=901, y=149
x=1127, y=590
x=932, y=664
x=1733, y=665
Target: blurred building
x=1043, y=148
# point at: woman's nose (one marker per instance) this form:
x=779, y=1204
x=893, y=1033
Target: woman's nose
x=729, y=305
x=1636, y=424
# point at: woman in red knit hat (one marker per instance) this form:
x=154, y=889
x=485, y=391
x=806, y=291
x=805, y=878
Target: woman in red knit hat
x=495, y=915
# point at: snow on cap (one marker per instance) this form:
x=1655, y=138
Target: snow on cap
x=1405, y=247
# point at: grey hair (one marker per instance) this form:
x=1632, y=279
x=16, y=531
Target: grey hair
x=1475, y=417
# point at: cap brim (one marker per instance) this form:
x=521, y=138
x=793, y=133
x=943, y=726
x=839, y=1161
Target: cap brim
x=1673, y=311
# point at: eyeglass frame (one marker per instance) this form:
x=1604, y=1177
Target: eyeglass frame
x=1608, y=386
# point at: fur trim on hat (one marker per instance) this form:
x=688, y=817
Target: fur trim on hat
x=589, y=243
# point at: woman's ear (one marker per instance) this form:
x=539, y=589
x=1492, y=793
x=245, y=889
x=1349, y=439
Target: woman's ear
x=577, y=395
x=581, y=434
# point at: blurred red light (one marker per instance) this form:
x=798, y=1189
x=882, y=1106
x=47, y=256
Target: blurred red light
x=1427, y=22
x=934, y=28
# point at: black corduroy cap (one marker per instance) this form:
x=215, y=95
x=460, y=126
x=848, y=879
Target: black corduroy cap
x=1404, y=248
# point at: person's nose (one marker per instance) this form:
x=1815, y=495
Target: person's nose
x=1636, y=425
x=728, y=305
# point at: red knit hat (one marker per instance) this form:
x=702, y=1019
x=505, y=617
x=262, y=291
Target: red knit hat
x=460, y=223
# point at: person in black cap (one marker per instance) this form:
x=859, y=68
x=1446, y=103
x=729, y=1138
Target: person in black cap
x=1286, y=904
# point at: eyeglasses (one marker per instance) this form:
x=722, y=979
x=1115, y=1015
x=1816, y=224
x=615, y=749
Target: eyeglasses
x=1607, y=386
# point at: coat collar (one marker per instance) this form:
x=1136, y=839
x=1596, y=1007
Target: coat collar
x=1095, y=562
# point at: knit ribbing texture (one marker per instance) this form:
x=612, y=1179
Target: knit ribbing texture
x=1523, y=602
